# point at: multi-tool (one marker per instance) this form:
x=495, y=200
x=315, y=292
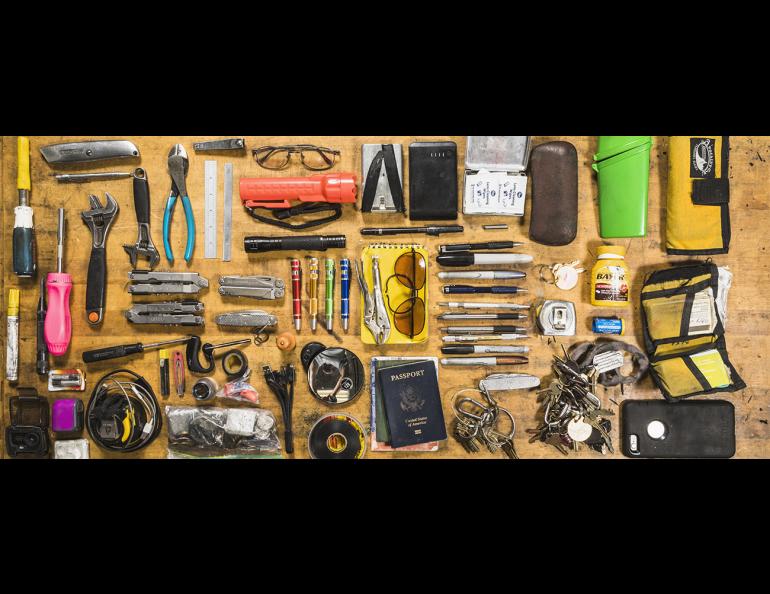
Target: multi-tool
x=170, y=313
x=256, y=287
x=149, y=282
x=256, y=319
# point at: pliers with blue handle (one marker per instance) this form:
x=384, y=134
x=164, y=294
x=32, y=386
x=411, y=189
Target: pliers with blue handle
x=178, y=165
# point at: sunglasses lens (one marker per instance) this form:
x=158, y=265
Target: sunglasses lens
x=409, y=317
x=410, y=270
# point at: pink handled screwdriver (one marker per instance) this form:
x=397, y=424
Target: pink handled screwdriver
x=58, y=323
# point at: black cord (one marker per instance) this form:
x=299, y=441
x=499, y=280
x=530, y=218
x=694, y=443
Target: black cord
x=282, y=385
x=109, y=405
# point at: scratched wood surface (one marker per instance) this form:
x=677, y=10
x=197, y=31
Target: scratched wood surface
x=748, y=333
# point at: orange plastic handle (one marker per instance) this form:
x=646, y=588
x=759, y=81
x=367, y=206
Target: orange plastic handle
x=280, y=192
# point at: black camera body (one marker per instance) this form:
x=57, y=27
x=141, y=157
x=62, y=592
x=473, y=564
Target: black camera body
x=27, y=435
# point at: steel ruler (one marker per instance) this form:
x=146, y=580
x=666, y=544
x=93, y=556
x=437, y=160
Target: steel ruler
x=210, y=212
x=227, y=225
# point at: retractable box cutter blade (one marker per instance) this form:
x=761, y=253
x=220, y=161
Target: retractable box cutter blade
x=168, y=313
x=93, y=150
x=256, y=287
x=149, y=282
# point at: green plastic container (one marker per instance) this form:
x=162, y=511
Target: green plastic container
x=623, y=184
x=609, y=146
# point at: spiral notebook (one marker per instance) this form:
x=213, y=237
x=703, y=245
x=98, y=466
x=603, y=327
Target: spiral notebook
x=397, y=291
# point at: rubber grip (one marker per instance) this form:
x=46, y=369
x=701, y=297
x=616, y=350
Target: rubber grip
x=22, y=179
x=95, y=285
x=142, y=200
x=167, y=217
x=188, y=213
x=114, y=352
x=58, y=323
x=24, y=251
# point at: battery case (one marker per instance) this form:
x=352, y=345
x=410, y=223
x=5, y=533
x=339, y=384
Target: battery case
x=690, y=429
x=432, y=181
x=553, y=169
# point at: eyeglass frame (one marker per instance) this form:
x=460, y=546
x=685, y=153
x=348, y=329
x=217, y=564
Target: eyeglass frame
x=292, y=149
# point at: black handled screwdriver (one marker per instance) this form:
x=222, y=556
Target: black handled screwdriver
x=124, y=350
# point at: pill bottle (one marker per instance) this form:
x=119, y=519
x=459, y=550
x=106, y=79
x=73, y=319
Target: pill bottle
x=610, y=278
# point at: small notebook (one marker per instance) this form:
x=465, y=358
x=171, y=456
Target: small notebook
x=397, y=292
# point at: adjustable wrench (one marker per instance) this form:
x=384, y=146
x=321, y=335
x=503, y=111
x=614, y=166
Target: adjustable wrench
x=99, y=220
x=144, y=246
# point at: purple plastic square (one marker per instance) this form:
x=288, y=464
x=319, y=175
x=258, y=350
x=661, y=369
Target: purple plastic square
x=65, y=416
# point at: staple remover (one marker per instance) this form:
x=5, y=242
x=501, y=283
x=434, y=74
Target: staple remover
x=178, y=165
x=149, y=282
x=169, y=313
x=375, y=314
x=256, y=287
x=99, y=220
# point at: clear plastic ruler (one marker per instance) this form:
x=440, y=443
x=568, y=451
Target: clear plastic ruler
x=227, y=225
x=210, y=213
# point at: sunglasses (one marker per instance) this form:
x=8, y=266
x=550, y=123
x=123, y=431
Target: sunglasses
x=409, y=315
x=314, y=158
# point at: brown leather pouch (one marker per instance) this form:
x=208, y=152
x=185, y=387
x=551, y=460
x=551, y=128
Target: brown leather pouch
x=553, y=170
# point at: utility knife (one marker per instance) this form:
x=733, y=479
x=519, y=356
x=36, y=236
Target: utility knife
x=95, y=150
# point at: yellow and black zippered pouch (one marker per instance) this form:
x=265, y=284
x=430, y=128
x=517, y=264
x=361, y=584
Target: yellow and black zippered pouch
x=684, y=333
x=698, y=205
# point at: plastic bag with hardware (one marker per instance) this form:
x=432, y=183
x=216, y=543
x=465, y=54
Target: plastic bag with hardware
x=239, y=390
x=209, y=432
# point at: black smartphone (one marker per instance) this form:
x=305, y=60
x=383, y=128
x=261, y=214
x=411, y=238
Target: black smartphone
x=687, y=429
x=433, y=181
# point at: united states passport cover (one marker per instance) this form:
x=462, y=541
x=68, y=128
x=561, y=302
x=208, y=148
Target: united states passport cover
x=412, y=403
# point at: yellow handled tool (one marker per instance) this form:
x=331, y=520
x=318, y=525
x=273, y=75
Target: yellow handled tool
x=23, y=228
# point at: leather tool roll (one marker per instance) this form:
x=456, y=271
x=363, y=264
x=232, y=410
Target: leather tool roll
x=553, y=169
x=698, y=206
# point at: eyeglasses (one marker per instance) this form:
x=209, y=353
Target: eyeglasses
x=314, y=158
x=409, y=315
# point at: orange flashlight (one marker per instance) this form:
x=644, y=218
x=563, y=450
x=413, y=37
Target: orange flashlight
x=280, y=192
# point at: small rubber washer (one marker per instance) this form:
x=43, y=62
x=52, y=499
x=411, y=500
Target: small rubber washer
x=234, y=364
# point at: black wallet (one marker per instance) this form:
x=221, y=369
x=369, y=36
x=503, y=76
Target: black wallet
x=432, y=181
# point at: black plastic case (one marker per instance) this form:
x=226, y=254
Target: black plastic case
x=693, y=429
x=432, y=181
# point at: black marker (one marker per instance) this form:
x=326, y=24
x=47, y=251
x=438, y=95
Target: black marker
x=488, y=245
x=471, y=259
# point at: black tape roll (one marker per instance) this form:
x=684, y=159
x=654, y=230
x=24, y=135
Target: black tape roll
x=234, y=364
x=337, y=437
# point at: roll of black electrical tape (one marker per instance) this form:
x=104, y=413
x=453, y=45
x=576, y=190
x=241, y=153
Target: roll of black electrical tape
x=235, y=364
x=337, y=437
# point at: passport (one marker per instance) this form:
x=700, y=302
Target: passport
x=412, y=402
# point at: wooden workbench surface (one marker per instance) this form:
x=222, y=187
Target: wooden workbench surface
x=748, y=331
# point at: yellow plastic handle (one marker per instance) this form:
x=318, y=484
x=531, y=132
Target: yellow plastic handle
x=23, y=168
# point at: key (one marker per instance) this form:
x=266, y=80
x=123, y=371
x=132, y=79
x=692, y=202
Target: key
x=598, y=426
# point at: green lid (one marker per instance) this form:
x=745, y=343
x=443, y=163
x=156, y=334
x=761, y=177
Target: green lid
x=609, y=146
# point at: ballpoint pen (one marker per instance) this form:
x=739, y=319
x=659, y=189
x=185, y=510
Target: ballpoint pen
x=488, y=349
x=485, y=361
x=481, y=305
x=482, y=316
x=296, y=292
x=483, y=329
x=430, y=230
x=313, y=292
x=471, y=259
x=329, y=309
x=345, y=293
x=482, y=338
x=470, y=290
x=487, y=245
x=482, y=275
